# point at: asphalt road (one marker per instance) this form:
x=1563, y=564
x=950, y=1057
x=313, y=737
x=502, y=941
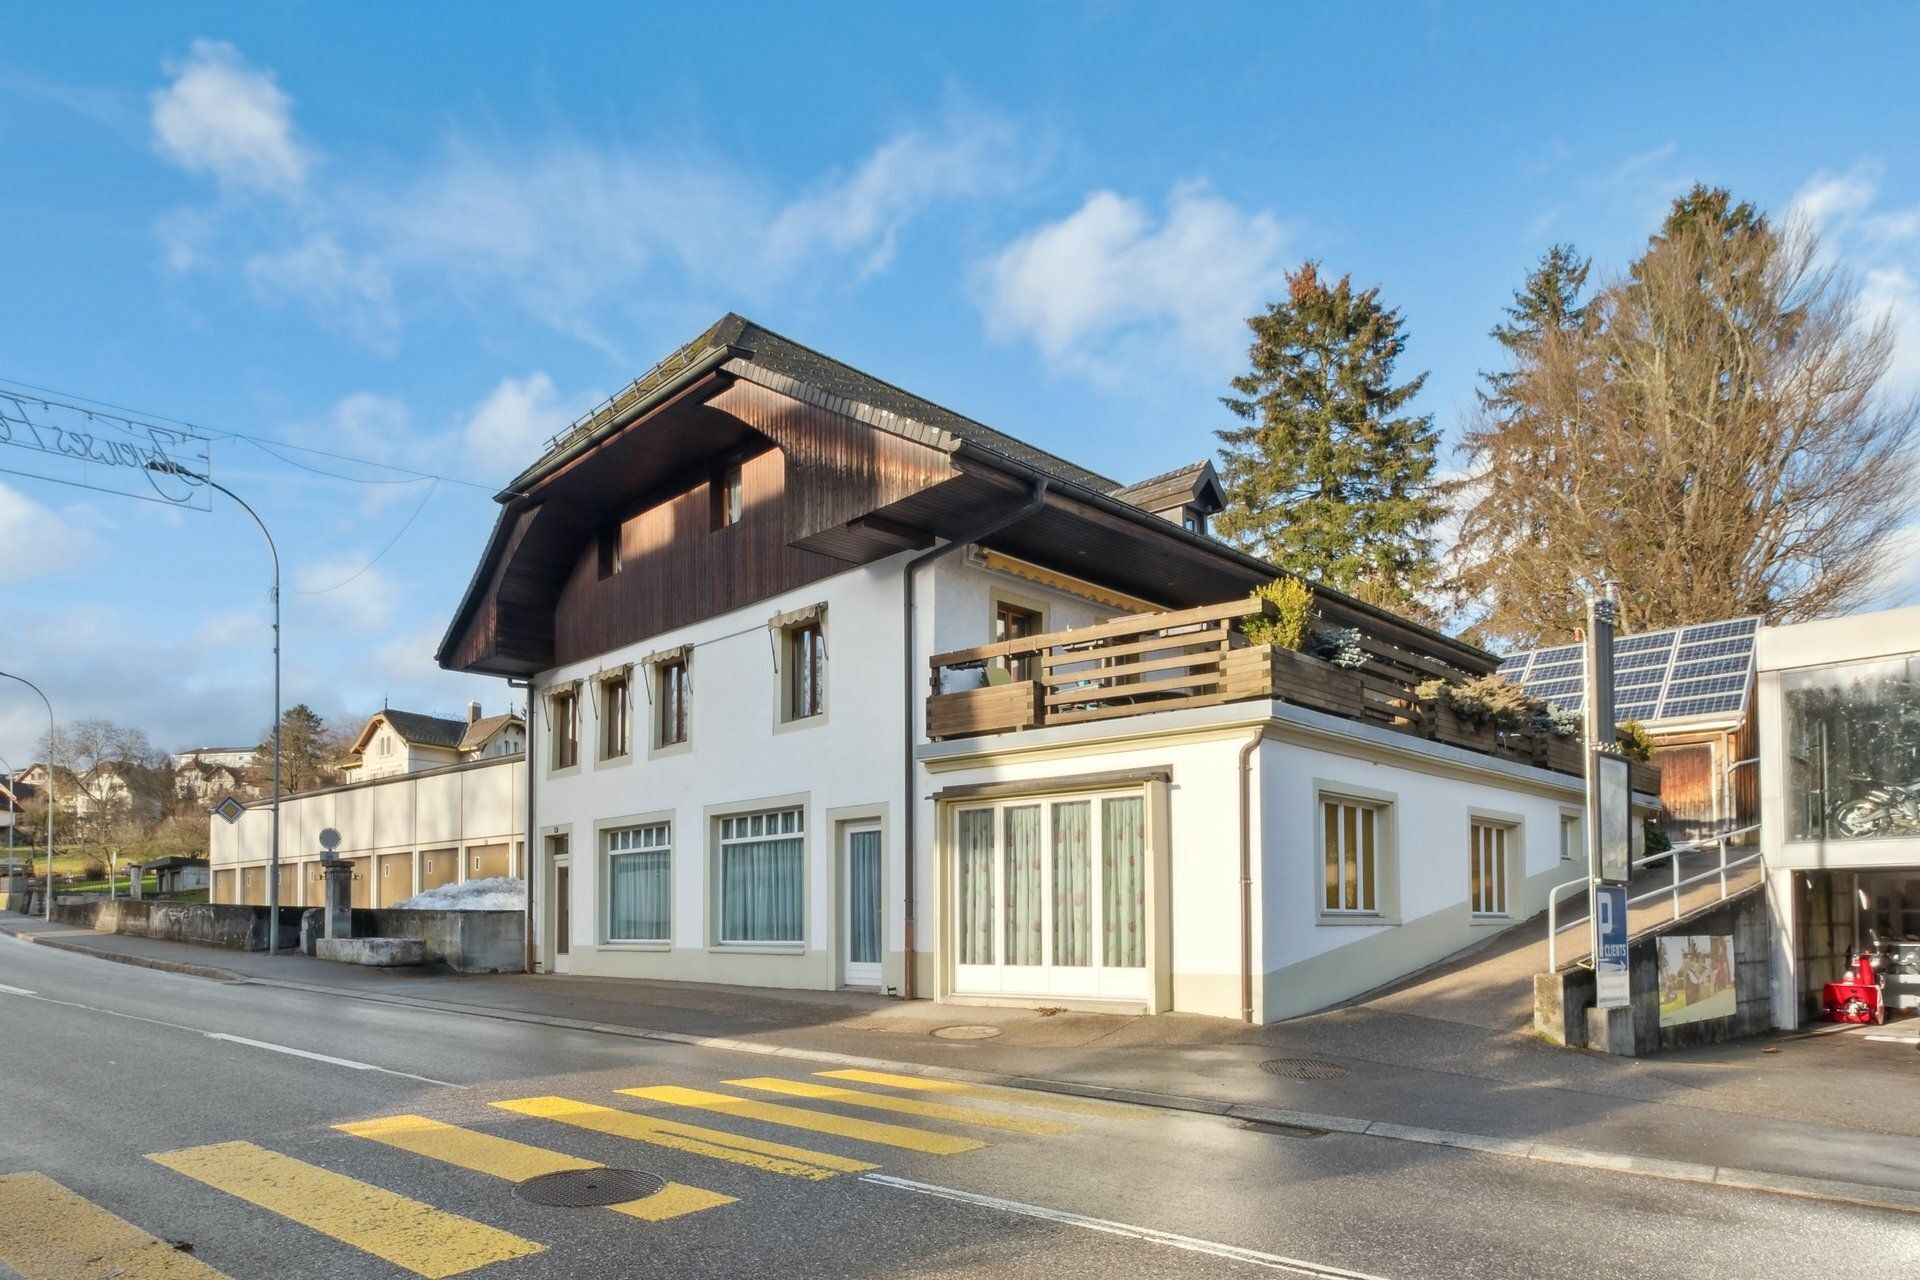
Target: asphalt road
x=105, y=1067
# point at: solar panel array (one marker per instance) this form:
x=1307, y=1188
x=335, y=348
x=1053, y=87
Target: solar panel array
x=1658, y=675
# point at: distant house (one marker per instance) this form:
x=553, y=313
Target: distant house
x=203, y=782
x=230, y=757
x=115, y=787
x=396, y=742
x=177, y=875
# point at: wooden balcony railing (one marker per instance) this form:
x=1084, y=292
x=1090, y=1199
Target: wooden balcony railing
x=1200, y=657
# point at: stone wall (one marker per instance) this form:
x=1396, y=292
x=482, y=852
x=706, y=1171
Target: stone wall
x=236, y=928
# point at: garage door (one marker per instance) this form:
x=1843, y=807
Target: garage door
x=438, y=867
x=223, y=887
x=1048, y=897
x=253, y=886
x=362, y=882
x=485, y=861
x=396, y=878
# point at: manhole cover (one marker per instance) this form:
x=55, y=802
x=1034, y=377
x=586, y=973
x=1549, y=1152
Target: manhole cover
x=966, y=1033
x=1303, y=1069
x=585, y=1188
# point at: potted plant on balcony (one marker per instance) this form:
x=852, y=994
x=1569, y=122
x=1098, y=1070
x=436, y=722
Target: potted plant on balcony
x=1293, y=661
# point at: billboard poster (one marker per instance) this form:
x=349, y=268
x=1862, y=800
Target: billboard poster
x=1614, y=829
x=1612, y=988
x=1696, y=979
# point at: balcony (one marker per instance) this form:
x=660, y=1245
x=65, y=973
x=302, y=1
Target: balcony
x=1145, y=663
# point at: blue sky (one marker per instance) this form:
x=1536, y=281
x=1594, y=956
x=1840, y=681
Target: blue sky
x=429, y=237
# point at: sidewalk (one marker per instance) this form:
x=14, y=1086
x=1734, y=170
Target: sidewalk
x=1422, y=1063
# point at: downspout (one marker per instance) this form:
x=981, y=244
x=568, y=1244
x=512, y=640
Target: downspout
x=1246, y=874
x=530, y=859
x=1036, y=497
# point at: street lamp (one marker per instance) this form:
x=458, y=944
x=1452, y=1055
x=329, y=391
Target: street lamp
x=46, y=907
x=273, y=866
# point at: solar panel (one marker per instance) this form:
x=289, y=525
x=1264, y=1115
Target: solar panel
x=1705, y=669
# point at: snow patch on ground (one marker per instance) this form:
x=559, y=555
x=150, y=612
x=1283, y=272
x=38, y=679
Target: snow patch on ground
x=499, y=893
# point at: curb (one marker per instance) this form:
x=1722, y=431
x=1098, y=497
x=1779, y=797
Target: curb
x=121, y=957
x=1863, y=1195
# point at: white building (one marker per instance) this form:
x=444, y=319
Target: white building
x=835, y=687
x=457, y=814
x=1839, y=723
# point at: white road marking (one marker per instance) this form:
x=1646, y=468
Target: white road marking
x=1894, y=1039
x=232, y=1039
x=322, y=1057
x=1212, y=1248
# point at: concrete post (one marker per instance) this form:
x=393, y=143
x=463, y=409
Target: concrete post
x=339, y=908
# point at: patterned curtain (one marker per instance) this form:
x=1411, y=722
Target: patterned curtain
x=760, y=891
x=1123, y=869
x=638, y=896
x=1072, y=883
x=863, y=897
x=1023, y=885
x=975, y=918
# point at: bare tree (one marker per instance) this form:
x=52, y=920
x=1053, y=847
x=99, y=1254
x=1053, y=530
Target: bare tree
x=1713, y=432
x=113, y=774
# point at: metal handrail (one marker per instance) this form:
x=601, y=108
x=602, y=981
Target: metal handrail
x=1555, y=928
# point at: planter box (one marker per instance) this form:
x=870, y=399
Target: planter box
x=1298, y=678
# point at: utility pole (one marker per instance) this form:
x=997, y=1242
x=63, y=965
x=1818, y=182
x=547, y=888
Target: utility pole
x=273, y=865
x=46, y=907
x=13, y=811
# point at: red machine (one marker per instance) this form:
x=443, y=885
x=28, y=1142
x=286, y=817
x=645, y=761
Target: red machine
x=1857, y=997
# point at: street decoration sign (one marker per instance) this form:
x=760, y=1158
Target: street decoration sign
x=230, y=809
x=1613, y=989
x=329, y=840
x=105, y=451
x=1613, y=850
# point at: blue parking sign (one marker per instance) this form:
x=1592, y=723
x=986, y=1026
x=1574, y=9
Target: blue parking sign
x=1612, y=988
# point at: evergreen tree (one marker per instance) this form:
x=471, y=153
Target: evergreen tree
x=309, y=751
x=1330, y=477
x=1549, y=303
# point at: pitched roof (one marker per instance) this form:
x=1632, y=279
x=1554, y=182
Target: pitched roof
x=426, y=731
x=1156, y=493
x=740, y=337
x=480, y=730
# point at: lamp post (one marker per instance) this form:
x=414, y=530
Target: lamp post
x=273, y=865
x=46, y=907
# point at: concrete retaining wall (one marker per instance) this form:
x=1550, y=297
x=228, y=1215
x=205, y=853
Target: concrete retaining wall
x=236, y=928
x=1563, y=1002
x=464, y=941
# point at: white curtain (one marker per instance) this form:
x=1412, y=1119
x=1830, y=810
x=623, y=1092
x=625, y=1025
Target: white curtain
x=1073, y=883
x=1123, y=870
x=975, y=854
x=639, y=891
x=863, y=897
x=1023, y=886
x=761, y=894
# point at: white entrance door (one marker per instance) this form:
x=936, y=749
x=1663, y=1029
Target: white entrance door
x=862, y=945
x=560, y=898
x=1048, y=897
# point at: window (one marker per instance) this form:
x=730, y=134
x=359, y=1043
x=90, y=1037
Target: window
x=806, y=674
x=616, y=702
x=762, y=864
x=1572, y=847
x=1853, y=750
x=1350, y=838
x=1010, y=622
x=728, y=497
x=610, y=551
x=639, y=883
x=1194, y=520
x=673, y=687
x=1488, y=851
x=565, y=708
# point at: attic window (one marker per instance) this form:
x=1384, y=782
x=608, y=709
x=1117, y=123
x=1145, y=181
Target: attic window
x=729, y=496
x=610, y=551
x=1194, y=519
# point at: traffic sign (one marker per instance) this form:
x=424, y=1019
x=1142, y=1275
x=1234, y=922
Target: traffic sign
x=230, y=809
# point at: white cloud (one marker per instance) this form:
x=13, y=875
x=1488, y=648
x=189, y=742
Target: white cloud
x=863, y=213
x=1880, y=246
x=36, y=540
x=348, y=592
x=506, y=431
x=1108, y=276
x=351, y=290
x=223, y=117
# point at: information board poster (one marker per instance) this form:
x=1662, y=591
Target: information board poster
x=1613, y=989
x=1696, y=979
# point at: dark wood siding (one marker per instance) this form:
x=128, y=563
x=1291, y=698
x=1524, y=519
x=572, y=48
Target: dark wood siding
x=1688, y=788
x=677, y=569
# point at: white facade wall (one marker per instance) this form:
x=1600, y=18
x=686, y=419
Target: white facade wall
x=845, y=767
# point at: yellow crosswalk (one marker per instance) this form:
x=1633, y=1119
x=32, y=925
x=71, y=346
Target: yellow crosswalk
x=49, y=1233
x=890, y=1135
x=771, y=1157
x=417, y=1237
x=903, y=1106
x=517, y=1161
x=988, y=1093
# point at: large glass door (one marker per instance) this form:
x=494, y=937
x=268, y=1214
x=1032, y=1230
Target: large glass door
x=1049, y=897
x=860, y=890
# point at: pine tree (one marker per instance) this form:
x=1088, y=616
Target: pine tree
x=1549, y=303
x=308, y=750
x=1330, y=478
